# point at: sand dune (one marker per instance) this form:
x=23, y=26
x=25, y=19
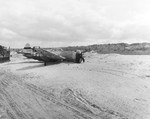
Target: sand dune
x=108, y=86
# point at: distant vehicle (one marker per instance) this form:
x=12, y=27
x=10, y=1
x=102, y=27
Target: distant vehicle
x=40, y=54
x=4, y=54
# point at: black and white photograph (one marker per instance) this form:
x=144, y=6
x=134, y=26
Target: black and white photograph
x=74, y=59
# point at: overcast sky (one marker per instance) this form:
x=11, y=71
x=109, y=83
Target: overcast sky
x=55, y=23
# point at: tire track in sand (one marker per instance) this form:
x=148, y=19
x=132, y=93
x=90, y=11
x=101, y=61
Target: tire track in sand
x=20, y=114
x=77, y=104
x=12, y=104
x=80, y=107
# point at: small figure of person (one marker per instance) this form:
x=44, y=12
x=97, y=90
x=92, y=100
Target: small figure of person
x=79, y=57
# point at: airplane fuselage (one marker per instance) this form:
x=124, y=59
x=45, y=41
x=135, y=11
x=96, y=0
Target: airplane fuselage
x=40, y=54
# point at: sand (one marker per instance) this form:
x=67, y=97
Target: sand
x=106, y=86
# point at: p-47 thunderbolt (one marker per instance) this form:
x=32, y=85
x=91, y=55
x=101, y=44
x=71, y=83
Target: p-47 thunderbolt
x=40, y=54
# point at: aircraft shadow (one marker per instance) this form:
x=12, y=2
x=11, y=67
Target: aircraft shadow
x=38, y=66
x=25, y=62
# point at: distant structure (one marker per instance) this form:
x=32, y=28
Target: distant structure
x=27, y=46
x=4, y=54
x=27, y=50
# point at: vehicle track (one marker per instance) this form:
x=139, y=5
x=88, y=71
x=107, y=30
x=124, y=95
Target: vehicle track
x=14, y=106
x=71, y=101
x=37, y=90
x=52, y=98
x=75, y=102
x=109, y=71
x=6, y=109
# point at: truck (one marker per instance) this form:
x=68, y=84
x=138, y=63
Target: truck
x=4, y=54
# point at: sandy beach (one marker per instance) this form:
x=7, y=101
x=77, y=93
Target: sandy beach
x=106, y=86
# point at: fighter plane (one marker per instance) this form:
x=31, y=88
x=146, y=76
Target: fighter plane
x=40, y=54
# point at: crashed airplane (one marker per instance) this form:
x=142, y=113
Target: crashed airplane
x=40, y=54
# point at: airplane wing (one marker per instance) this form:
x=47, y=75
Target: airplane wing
x=48, y=56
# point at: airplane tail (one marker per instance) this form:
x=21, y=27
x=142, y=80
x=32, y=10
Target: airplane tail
x=27, y=49
x=27, y=46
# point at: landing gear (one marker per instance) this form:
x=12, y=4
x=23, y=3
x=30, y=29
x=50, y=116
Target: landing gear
x=44, y=63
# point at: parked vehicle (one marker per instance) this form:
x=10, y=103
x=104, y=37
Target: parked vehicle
x=4, y=54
